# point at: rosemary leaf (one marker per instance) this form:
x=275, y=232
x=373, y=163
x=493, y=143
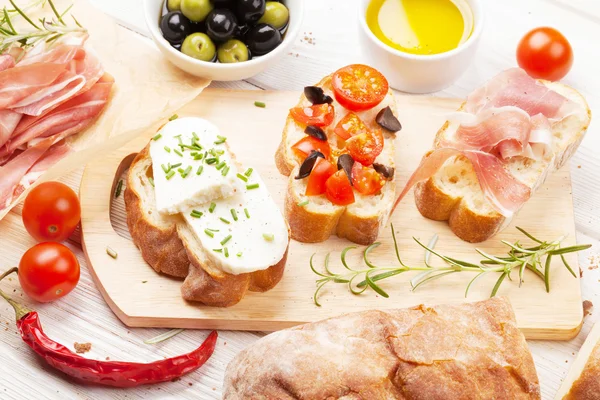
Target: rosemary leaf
x=432, y=242
x=164, y=336
x=374, y=286
x=479, y=275
x=570, y=249
x=564, y=260
x=547, y=273
x=366, y=254
x=343, y=257
x=498, y=283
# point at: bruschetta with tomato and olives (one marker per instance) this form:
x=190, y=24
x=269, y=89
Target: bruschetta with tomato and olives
x=338, y=150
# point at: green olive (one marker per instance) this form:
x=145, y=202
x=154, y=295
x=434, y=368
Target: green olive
x=233, y=51
x=276, y=15
x=199, y=46
x=174, y=5
x=196, y=10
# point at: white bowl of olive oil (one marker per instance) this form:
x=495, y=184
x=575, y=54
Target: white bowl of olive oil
x=421, y=46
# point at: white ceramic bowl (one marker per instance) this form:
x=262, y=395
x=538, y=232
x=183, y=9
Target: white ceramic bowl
x=217, y=71
x=419, y=73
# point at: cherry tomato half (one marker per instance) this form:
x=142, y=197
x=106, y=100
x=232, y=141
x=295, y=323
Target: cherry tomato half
x=317, y=115
x=338, y=189
x=321, y=172
x=48, y=271
x=366, y=180
x=304, y=146
x=51, y=212
x=365, y=147
x=544, y=53
x=350, y=125
x=359, y=87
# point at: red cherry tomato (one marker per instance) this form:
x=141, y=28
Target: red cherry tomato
x=304, y=146
x=322, y=170
x=48, y=271
x=51, y=212
x=338, y=189
x=365, y=147
x=318, y=115
x=359, y=87
x=544, y=53
x=350, y=125
x=366, y=180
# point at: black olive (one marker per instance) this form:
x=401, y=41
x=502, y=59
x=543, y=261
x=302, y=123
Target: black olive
x=175, y=27
x=262, y=39
x=315, y=132
x=387, y=120
x=223, y=4
x=316, y=95
x=308, y=164
x=221, y=24
x=250, y=11
x=346, y=162
x=387, y=172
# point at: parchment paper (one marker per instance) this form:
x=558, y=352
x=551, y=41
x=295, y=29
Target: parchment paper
x=147, y=87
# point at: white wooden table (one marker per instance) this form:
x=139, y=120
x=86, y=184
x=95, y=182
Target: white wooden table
x=84, y=317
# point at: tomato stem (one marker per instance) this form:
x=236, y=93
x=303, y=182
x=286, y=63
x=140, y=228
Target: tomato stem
x=20, y=310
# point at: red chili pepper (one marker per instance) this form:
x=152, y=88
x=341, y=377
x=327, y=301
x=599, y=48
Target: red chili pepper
x=109, y=373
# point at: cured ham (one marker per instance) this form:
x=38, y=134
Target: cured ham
x=6, y=61
x=8, y=122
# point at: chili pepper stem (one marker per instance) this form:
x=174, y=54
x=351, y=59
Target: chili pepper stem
x=20, y=310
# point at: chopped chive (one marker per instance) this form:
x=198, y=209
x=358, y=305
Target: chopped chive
x=111, y=252
x=220, y=152
x=170, y=174
x=226, y=251
x=151, y=180
x=225, y=220
x=165, y=168
x=242, y=177
x=167, y=149
x=187, y=171
x=119, y=188
x=158, y=136
x=180, y=170
x=220, y=165
x=175, y=165
x=268, y=237
x=248, y=172
x=234, y=214
x=227, y=239
x=218, y=250
x=198, y=156
x=178, y=152
x=209, y=233
x=225, y=171
x=195, y=136
x=194, y=153
x=212, y=152
x=211, y=161
x=196, y=214
x=247, y=213
x=239, y=254
x=260, y=104
x=200, y=169
x=302, y=203
x=213, y=230
x=173, y=117
x=222, y=139
x=212, y=207
x=252, y=186
x=187, y=146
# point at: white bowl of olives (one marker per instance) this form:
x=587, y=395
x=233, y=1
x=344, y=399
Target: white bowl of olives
x=224, y=40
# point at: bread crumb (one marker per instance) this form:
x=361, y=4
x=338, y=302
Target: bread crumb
x=81, y=348
x=579, y=166
x=594, y=261
x=175, y=379
x=580, y=272
x=190, y=383
x=587, y=307
x=107, y=358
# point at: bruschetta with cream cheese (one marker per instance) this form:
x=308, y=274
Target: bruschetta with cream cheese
x=195, y=213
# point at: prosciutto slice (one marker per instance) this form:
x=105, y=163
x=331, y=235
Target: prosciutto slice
x=21, y=81
x=6, y=61
x=8, y=122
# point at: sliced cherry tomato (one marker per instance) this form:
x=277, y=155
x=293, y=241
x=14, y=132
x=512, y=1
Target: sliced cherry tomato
x=544, y=53
x=366, y=180
x=304, y=146
x=51, y=212
x=322, y=170
x=350, y=125
x=48, y=271
x=318, y=115
x=359, y=87
x=338, y=189
x=366, y=146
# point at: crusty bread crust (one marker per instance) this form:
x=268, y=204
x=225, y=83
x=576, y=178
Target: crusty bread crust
x=314, y=225
x=468, y=351
x=173, y=249
x=471, y=225
x=587, y=386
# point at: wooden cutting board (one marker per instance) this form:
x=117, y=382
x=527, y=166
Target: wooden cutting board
x=140, y=297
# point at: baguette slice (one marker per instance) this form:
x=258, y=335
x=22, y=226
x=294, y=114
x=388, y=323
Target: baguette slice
x=467, y=351
x=453, y=194
x=314, y=222
x=170, y=247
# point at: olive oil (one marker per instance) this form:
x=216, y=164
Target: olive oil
x=421, y=26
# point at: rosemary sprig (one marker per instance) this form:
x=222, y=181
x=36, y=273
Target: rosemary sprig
x=44, y=31
x=536, y=259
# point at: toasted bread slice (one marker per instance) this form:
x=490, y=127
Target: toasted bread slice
x=359, y=222
x=170, y=247
x=453, y=194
